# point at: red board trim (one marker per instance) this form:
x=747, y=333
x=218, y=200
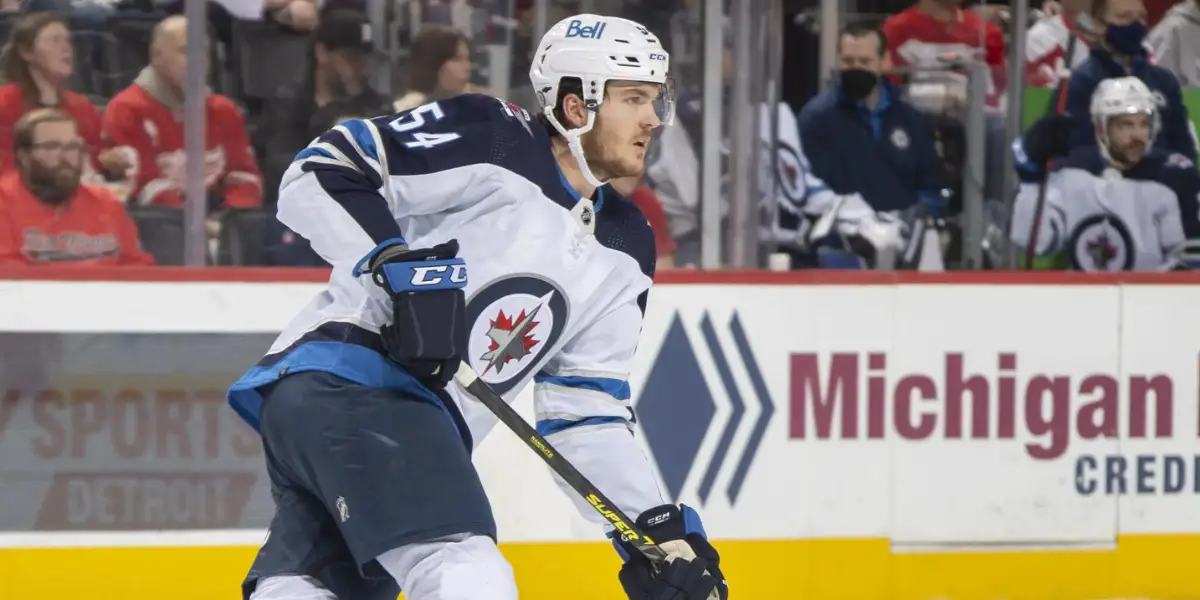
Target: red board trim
x=674, y=277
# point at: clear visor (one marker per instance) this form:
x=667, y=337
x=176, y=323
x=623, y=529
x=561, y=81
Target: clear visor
x=664, y=104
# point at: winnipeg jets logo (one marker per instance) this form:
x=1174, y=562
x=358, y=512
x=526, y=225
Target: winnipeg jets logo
x=1101, y=243
x=511, y=339
x=514, y=322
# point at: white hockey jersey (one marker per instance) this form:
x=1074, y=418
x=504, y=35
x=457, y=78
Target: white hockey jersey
x=1104, y=222
x=1046, y=46
x=785, y=182
x=557, y=284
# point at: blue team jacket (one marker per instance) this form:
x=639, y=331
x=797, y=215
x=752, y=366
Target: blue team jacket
x=887, y=154
x=1176, y=135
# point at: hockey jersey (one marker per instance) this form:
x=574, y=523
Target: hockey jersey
x=1101, y=219
x=557, y=283
x=146, y=118
x=920, y=41
x=1046, y=47
x=13, y=106
x=673, y=171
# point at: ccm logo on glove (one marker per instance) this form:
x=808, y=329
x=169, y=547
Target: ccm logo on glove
x=433, y=274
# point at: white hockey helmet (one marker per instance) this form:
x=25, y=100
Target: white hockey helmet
x=596, y=50
x=1123, y=96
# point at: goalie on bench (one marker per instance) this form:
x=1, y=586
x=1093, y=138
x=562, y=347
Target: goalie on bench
x=367, y=436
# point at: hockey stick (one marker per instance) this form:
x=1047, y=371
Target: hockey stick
x=479, y=388
x=1060, y=105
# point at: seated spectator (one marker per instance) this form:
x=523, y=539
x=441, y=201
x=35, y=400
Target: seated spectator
x=337, y=90
x=147, y=117
x=1048, y=40
x=439, y=67
x=1175, y=42
x=36, y=64
x=871, y=142
x=930, y=31
x=1120, y=51
x=47, y=216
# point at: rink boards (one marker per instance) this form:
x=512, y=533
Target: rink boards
x=842, y=436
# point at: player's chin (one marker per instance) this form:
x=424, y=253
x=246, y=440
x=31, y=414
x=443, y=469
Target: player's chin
x=631, y=167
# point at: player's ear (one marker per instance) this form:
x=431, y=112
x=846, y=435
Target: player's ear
x=575, y=111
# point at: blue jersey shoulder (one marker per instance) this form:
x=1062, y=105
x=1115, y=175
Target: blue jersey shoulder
x=621, y=226
x=451, y=133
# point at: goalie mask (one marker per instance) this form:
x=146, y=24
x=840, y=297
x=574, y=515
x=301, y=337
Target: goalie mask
x=596, y=50
x=1125, y=114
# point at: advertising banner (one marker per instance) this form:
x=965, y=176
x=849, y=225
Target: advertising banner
x=935, y=440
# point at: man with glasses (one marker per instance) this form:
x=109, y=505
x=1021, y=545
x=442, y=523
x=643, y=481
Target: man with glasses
x=47, y=217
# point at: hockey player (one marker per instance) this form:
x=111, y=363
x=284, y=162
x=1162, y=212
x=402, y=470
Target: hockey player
x=367, y=436
x=1115, y=206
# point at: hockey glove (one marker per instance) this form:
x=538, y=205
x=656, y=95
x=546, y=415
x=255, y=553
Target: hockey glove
x=1047, y=139
x=680, y=579
x=427, y=335
x=679, y=531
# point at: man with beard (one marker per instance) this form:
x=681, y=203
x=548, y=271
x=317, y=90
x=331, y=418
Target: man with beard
x=1120, y=51
x=363, y=402
x=47, y=217
x=1117, y=205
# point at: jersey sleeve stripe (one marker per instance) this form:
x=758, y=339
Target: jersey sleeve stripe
x=312, y=152
x=360, y=134
x=550, y=427
x=334, y=148
x=616, y=388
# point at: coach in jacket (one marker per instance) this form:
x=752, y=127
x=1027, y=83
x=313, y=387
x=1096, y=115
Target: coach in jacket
x=863, y=138
x=1121, y=52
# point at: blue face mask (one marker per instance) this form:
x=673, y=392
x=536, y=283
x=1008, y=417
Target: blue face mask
x=1127, y=39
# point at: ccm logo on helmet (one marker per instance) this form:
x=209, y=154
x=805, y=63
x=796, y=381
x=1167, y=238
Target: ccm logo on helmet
x=576, y=29
x=658, y=57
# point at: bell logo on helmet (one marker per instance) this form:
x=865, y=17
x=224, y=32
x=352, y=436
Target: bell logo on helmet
x=576, y=29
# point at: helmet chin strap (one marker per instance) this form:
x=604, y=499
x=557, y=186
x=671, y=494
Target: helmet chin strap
x=575, y=144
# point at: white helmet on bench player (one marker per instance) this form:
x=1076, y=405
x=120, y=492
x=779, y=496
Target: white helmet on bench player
x=596, y=50
x=1118, y=98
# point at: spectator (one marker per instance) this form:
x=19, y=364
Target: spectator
x=147, y=117
x=337, y=90
x=1175, y=42
x=36, y=64
x=1047, y=42
x=646, y=200
x=47, y=217
x=871, y=142
x=929, y=31
x=1120, y=51
x=440, y=66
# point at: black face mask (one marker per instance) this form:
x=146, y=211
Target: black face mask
x=52, y=185
x=1127, y=39
x=857, y=84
